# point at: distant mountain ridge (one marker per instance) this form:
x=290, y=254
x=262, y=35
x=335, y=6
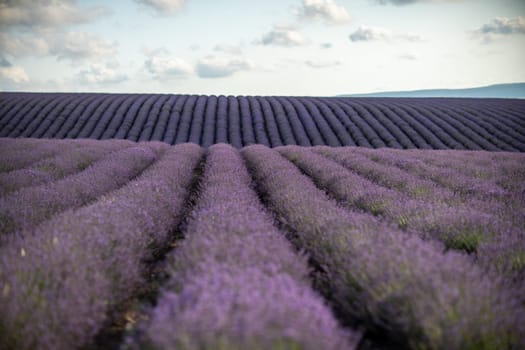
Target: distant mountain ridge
x=514, y=90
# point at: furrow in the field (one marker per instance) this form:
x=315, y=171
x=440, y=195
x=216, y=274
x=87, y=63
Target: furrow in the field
x=45, y=118
x=400, y=137
x=357, y=136
x=391, y=282
x=132, y=114
x=362, y=124
x=144, y=113
x=283, y=123
x=67, y=122
x=235, y=282
x=297, y=125
x=234, y=122
x=247, y=128
x=170, y=132
x=27, y=207
x=115, y=119
x=472, y=127
x=61, y=283
x=14, y=115
x=85, y=115
x=184, y=126
x=197, y=121
x=310, y=124
x=105, y=110
x=259, y=126
x=59, y=119
x=330, y=137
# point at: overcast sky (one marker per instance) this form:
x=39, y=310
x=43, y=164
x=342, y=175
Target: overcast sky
x=259, y=47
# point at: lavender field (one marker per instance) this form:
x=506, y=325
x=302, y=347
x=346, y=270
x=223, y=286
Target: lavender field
x=122, y=245
x=273, y=121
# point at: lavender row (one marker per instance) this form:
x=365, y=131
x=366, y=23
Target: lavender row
x=17, y=155
x=29, y=206
x=235, y=282
x=445, y=174
x=484, y=197
x=458, y=227
x=271, y=121
x=60, y=282
x=395, y=283
x=51, y=169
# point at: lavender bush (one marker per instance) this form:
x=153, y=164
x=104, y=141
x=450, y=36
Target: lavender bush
x=60, y=281
x=397, y=284
x=235, y=281
x=29, y=206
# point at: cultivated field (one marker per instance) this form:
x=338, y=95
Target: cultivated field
x=117, y=244
x=428, y=123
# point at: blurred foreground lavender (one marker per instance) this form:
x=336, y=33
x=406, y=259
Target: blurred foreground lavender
x=416, y=249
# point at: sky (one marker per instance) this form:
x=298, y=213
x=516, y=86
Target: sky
x=259, y=47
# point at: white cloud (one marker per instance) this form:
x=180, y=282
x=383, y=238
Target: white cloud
x=326, y=11
x=283, y=36
x=366, y=33
x=101, y=74
x=13, y=74
x=163, y=7
x=500, y=26
x=164, y=66
x=38, y=14
x=72, y=46
x=23, y=45
x=76, y=46
x=230, y=49
x=322, y=64
x=213, y=67
x=326, y=45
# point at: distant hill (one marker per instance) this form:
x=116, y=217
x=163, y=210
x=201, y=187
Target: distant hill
x=515, y=90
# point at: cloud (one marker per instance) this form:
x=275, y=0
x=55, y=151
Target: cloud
x=500, y=26
x=322, y=64
x=213, y=67
x=42, y=14
x=163, y=66
x=326, y=45
x=101, y=74
x=326, y=11
x=283, y=36
x=230, y=49
x=366, y=33
x=72, y=46
x=163, y=7
x=410, y=2
x=13, y=74
x=409, y=56
x=77, y=46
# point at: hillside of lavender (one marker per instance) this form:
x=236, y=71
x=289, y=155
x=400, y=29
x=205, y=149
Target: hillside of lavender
x=116, y=244
x=273, y=121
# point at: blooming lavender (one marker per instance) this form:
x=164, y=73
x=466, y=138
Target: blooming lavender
x=15, y=154
x=29, y=206
x=235, y=281
x=51, y=169
x=59, y=282
x=396, y=284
